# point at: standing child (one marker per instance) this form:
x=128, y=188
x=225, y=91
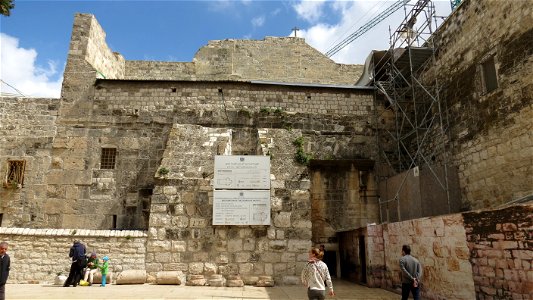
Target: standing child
x=103, y=269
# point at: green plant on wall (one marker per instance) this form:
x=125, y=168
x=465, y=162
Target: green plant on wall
x=163, y=171
x=264, y=110
x=301, y=156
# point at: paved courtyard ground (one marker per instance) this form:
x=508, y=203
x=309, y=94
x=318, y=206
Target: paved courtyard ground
x=343, y=289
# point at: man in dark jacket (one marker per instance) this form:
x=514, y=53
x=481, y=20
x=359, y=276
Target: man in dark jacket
x=411, y=273
x=77, y=253
x=5, y=265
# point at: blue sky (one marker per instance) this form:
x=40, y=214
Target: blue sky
x=35, y=38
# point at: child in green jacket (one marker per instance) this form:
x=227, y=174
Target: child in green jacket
x=104, y=269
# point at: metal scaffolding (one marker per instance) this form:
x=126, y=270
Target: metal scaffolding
x=406, y=82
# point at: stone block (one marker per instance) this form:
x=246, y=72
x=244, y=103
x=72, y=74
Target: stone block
x=131, y=277
x=210, y=268
x=169, y=277
x=98, y=278
x=196, y=280
x=216, y=280
x=265, y=281
x=196, y=268
x=234, y=283
x=250, y=279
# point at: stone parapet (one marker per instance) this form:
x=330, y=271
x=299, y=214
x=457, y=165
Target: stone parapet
x=38, y=255
x=72, y=232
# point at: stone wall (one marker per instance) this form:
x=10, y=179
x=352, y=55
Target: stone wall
x=501, y=252
x=135, y=118
x=473, y=255
x=440, y=245
x=343, y=197
x=181, y=234
x=213, y=99
x=159, y=70
x=281, y=59
x=38, y=255
x=27, y=129
x=490, y=132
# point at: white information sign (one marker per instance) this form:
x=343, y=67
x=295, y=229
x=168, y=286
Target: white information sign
x=242, y=172
x=241, y=207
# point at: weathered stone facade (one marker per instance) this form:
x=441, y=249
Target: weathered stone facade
x=287, y=59
x=266, y=98
x=154, y=119
x=490, y=132
x=474, y=255
x=27, y=131
x=501, y=252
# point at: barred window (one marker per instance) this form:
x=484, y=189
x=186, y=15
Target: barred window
x=15, y=173
x=107, y=160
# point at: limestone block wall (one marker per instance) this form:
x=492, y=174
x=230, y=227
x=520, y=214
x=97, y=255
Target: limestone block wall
x=341, y=199
x=213, y=100
x=88, y=42
x=440, y=245
x=501, y=252
x=88, y=58
x=282, y=59
x=181, y=235
x=375, y=250
x=135, y=118
x=27, y=130
x=484, y=254
x=490, y=132
x=37, y=255
x=82, y=195
x=159, y=70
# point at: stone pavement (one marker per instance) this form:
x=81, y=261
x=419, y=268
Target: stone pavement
x=343, y=290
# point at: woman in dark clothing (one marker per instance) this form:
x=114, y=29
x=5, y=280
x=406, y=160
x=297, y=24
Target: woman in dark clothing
x=77, y=253
x=5, y=265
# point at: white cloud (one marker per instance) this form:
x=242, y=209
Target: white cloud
x=258, y=21
x=310, y=11
x=275, y=12
x=19, y=70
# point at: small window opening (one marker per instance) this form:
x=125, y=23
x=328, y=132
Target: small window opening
x=1, y=218
x=114, y=221
x=15, y=173
x=489, y=75
x=107, y=160
x=146, y=192
x=173, y=89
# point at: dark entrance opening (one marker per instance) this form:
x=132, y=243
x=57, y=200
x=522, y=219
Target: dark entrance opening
x=330, y=259
x=362, y=258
